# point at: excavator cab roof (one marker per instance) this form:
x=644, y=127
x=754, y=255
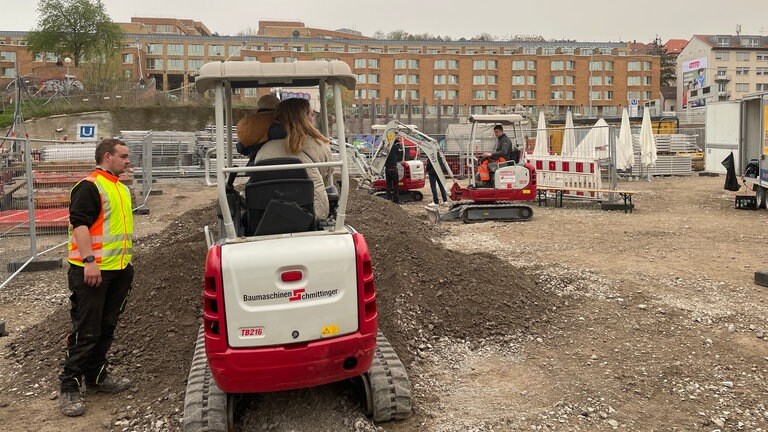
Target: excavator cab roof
x=251, y=74
x=503, y=119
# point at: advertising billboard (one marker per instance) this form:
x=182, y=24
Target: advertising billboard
x=694, y=77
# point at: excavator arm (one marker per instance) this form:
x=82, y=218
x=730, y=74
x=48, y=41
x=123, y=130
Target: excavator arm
x=424, y=142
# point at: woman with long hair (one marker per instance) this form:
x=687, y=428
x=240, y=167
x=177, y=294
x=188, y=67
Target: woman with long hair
x=304, y=142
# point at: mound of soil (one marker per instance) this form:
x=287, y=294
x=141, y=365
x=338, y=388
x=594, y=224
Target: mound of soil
x=426, y=291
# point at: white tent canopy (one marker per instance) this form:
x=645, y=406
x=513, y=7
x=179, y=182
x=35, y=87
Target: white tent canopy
x=624, y=154
x=542, y=140
x=647, y=142
x=569, y=136
x=597, y=138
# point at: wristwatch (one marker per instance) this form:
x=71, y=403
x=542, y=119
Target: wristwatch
x=89, y=259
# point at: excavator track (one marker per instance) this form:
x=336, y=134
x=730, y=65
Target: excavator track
x=387, y=388
x=206, y=407
x=471, y=212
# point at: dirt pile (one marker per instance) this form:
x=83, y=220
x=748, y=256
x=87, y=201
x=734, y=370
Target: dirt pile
x=426, y=291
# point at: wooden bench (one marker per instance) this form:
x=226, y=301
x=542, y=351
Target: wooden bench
x=542, y=191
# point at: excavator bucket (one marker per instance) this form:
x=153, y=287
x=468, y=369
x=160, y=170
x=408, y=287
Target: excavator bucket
x=433, y=214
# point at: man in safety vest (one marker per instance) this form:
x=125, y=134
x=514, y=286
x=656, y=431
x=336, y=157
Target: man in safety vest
x=100, y=274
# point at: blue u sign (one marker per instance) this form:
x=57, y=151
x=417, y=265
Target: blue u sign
x=86, y=131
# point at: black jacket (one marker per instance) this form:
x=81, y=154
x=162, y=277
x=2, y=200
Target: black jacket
x=503, y=148
x=395, y=156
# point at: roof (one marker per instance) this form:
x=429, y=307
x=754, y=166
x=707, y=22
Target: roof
x=249, y=74
x=506, y=119
x=734, y=41
x=675, y=46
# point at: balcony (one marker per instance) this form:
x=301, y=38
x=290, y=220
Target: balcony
x=722, y=78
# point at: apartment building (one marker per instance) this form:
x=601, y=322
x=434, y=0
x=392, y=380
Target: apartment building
x=729, y=66
x=452, y=77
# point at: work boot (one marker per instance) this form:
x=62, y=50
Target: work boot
x=71, y=403
x=110, y=385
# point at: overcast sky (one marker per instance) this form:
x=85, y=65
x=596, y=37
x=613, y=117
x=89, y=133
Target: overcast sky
x=582, y=20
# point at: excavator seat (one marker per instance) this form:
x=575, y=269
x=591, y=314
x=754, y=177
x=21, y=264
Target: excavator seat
x=279, y=202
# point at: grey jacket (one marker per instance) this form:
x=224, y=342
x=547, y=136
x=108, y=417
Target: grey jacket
x=313, y=151
x=503, y=148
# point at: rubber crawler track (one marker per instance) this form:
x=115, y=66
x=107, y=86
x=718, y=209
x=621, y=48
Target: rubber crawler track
x=389, y=384
x=205, y=405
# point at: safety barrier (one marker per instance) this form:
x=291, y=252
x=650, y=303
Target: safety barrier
x=582, y=174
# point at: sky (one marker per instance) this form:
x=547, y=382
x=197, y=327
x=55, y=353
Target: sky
x=581, y=20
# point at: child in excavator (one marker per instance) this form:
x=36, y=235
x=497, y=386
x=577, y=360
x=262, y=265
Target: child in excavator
x=491, y=160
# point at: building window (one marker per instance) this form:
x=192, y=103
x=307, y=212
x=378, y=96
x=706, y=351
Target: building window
x=742, y=71
x=647, y=66
x=438, y=94
x=557, y=80
x=414, y=94
x=762, y=87
x=556, y=65
x=478, y=65
x=647, y=81
x=609, y=65
x=355, y=49
x=373, y=93
x=413, y=79
x=570, y=65
x=634, y=80
x=518, y=65
x=127, y=73
x=633, y=66
x=320, y=49
x=518, y=94
x=608, y=80
x=440, y=64
x=596, y=65
x=154, y=48
x=39, y=57
x=750, y=42
x=399, y=94
x=453, y=64
x=556, y=95
x=359, y=63
x=373, y=63
x=175, y=49
x=723, y=41
x=596, y=80
x=49, y=57
x=721, y=55
x=595, y=95
x=373, y=79
x=195, y=50
x=394, y=50
x=194, y=64
x=472, y=51
x=361, y=78
x=531, y=79
x=564, y=50
x=609, y=95
x=453, y=94
x=492, y=65
x=606, y=51
x=8, y=72
x=633, y=95
x=359, y=93
x=742, y=87
x=529, y=50
x=569, y=94
x=647, y=95
x=478, y=80
x=742, y=56
x=440, y=79
x=175, y=64
x=453, y=51
x=610, y=111
x=492, y=80
x=127, y=58
x=547, y=51
x=164, y=28
x=761, y=71
x=399, y=79
x=453, y=79
x=761, y=57
x=491, y=94
x=586, y=51
x=400, y=64
x=155, y=64
x=518, y=79
x=532, y=94
x=531, y=65
x=433, y=51
x=413, y=64
x=478, y=95
x=376, y=50
x=217, y=50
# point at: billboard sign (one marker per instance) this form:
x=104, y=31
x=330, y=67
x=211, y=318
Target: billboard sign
x=694, y=77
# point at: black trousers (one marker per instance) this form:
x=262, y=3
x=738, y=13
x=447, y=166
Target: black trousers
x=432, y=180
x=94, y=312
x=393, y=189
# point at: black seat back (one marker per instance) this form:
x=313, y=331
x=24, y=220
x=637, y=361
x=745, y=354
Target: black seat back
x=279, y=202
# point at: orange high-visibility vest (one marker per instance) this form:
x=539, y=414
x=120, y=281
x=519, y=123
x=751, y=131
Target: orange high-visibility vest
x=112, y=232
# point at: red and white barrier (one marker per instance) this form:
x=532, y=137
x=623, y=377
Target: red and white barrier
x=569, y=172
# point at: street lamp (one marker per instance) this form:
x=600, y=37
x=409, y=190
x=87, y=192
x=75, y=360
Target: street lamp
x=67, y=60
